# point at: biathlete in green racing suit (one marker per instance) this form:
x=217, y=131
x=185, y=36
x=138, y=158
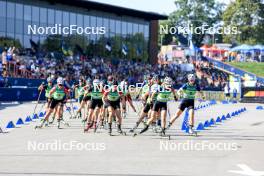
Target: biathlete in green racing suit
x=96, y=106
x=47, y=87
x=163, y=94
x=126, y=98
x=188, y=91
x=59, y=96
x=84, y=96
x=146, y=100
x=111, y=99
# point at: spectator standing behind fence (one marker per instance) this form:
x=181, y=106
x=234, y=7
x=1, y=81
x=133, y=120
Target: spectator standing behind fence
x=227, y=92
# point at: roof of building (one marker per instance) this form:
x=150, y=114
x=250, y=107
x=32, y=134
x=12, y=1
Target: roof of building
x=111, y=8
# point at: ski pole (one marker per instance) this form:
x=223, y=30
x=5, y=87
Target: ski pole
x=37, y=102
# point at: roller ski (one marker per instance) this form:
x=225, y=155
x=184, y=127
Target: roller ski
x=142, y=131
x=51, y=122
x=191, y=132
x=163, y=134
x=43, y=121
x=132, y=130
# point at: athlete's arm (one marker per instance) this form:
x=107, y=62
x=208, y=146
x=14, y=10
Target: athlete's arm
x=52, y=91
x=174, y=94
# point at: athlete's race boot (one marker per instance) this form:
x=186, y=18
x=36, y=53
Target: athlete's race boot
x=144, y=129
x=162, y=132
x=41, y=124
x=58, y=123
x=110, y=129
x=89, y=125
x=95, y=126
x=53, y=118
x=119, y=130
x=191, y=131
x=168, y=127
x=46, y=124
x=102, y=124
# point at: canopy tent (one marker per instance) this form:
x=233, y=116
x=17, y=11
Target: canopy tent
x=243, y=48
x=247, y=48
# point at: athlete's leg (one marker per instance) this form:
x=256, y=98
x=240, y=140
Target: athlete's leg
x=110, y=118
x=177, y=115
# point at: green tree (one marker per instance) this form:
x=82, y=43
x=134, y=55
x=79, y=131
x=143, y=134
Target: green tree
x=195, y=12
x=248, y=17
x=8, y=42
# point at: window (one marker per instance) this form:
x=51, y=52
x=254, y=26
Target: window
x=135, y=28
x=106, y=25
x=35, y=14
x=73, y=19
x=86, y=23
x=80, y=20
x=141, y=29
x=58, y=18
x=2, y=9
x=112, y=27
x=10, y=19
x=65, y=19
x=43, y=16
x=27, y=12
x=51, y=15
x=118, y=26
x=2, y=16
x=99, y=24
x=146, y=31
x=10, y=10
x=19, y=11
x=93, y=24
x=124, y=28
x=129, y=28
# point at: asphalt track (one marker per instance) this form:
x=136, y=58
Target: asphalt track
x=141, y=155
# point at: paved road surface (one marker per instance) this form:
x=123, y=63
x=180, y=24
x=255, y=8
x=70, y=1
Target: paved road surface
x=239, y=140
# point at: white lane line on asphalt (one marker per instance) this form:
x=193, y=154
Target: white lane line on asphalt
x=246, y=170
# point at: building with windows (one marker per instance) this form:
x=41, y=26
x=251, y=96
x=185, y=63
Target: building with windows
x=131, y=31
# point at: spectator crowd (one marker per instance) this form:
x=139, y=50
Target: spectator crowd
x=26, y=66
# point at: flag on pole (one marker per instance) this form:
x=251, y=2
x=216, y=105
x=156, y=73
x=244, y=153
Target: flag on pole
x=139, y=51
x=124, y=49
x=108, y=46
x=65, y=49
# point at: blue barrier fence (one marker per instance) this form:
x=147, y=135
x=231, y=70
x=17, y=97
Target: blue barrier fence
x=25, y=82
x=20, y=94
x=234, y=70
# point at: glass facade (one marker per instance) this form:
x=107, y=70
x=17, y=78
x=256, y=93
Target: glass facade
x=16, y=16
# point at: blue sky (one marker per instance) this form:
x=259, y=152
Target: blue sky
x=158, y=6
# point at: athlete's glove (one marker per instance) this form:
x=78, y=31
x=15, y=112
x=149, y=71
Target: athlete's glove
x=175, y=98
x=203, y=97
